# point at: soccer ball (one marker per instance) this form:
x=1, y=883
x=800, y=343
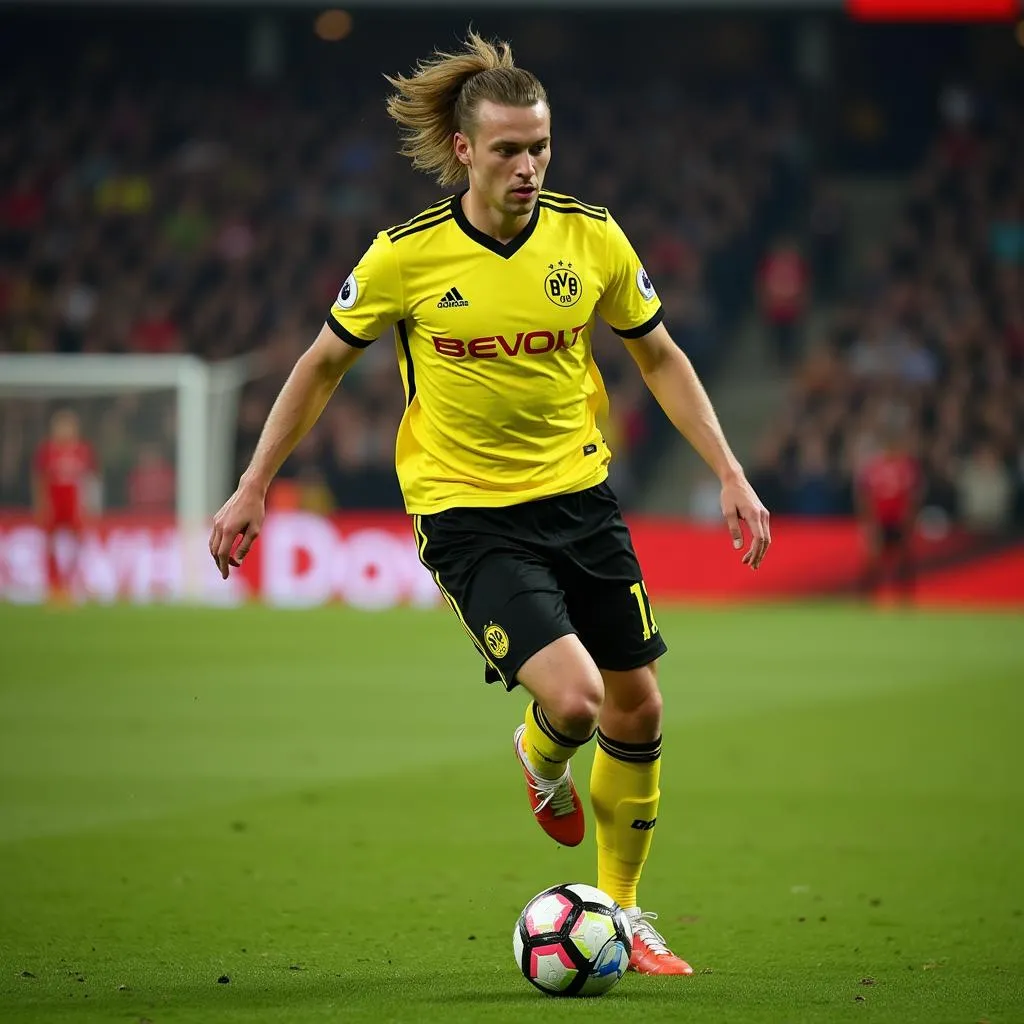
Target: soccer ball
x=572, y=940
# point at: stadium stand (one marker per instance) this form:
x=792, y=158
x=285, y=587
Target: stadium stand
x=927, y=339
x=154, y=205
x=175, y=214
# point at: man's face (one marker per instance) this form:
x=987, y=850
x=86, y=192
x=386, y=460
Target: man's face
x=64, y=426
x=507, y=155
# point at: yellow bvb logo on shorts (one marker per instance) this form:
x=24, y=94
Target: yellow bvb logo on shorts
x=497, y=640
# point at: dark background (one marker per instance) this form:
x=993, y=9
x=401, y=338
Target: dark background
x=169, y=186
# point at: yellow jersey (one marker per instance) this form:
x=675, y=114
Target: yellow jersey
x=493, y=341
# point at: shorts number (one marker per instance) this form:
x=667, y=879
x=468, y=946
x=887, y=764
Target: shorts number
x=639, y=591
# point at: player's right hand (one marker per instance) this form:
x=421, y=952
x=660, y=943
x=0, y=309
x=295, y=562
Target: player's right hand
x=741, y=503
x=240, y=516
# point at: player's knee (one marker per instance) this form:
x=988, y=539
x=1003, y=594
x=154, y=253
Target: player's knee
x=579, y=719
x=635, y=703
x=646, y=714
x=577, y=707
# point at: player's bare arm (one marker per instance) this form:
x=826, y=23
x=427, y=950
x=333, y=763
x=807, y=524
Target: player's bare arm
x=671, y=378
x=307, y=390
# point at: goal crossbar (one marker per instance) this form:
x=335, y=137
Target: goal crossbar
x=207, y=405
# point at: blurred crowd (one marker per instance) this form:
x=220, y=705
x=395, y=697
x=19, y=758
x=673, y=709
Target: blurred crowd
x=184, y=210
x=220, y=219
x=925, y=345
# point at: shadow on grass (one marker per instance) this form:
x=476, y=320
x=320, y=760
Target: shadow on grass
x=528, y=996
x=376, y=994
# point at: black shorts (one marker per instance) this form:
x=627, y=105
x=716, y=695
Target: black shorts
x=520, y=577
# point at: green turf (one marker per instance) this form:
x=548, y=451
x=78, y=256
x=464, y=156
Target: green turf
x=322, y=807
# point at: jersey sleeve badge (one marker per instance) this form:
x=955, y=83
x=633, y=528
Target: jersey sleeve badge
x=349, y=292
x=644, y=285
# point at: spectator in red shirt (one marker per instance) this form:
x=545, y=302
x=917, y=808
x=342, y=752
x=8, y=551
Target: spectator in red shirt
x=21, y=209
x=156, y=332
x=151, y=482
x=783, y=280
x=888, y=492
x=63, y=485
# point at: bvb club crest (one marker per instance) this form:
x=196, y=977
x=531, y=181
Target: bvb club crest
x=563, y=285
x=497, y=640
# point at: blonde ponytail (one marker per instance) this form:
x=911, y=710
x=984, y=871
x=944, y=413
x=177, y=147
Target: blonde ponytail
x=442, y=96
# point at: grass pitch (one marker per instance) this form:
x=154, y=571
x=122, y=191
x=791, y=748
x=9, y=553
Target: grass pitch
x=267, y=817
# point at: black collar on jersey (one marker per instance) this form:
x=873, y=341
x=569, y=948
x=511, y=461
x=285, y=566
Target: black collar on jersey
x=505, y=249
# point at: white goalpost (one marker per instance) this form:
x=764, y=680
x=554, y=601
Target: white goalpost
x=180, y=403
x=206, y=408
x=130, y=405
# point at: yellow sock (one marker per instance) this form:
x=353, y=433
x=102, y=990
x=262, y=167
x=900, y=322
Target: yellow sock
x=545, y=747
x=625, y=794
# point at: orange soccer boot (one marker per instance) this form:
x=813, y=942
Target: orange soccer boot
x=651, y=954
x=554, y=802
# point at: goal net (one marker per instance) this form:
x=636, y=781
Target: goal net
x=162, y=429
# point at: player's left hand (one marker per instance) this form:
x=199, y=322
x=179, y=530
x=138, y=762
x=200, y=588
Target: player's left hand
x=240, y=516
x=739, y=502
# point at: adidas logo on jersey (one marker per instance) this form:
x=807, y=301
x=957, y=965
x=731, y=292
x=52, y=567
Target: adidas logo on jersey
x=451, y=299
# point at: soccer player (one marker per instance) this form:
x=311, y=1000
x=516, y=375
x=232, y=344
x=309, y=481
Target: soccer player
x=492, y=293
x=888, y=492
x=63, y=478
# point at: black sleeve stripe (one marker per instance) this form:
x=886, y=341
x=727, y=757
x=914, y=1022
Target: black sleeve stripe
x=410, y=370
x=430, y=211
x=644, y=328
x=447, y=215
x=569, y=201
x=572, y=209
x=557, y=197
x=347, y=336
